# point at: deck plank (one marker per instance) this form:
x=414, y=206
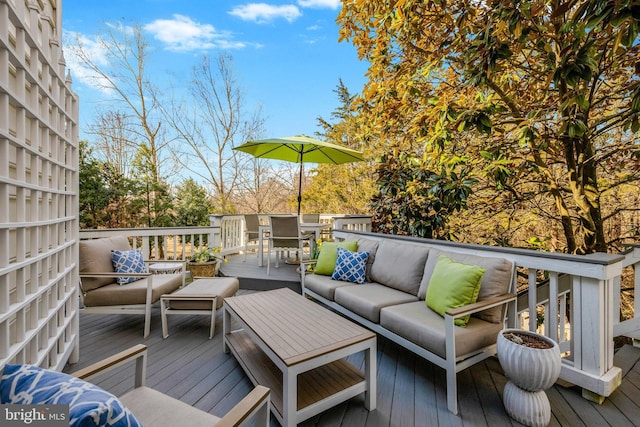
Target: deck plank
x=189, y=366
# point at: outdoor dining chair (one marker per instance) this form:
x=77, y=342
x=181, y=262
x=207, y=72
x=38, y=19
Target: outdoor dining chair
x=285, y=236
x=251, y=233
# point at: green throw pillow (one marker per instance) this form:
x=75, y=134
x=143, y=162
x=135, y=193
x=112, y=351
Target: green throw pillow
x=453, y=285
x=329, y=255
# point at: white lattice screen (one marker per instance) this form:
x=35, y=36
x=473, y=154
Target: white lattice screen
x=38, y=189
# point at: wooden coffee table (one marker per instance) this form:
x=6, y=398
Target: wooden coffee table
x=297, y=348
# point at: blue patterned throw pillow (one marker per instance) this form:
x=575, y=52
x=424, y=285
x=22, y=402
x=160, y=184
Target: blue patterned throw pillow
x=128, y=262
x=351, y=266
x=89, y=405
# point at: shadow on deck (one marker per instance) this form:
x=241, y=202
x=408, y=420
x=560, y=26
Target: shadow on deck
x=253, y=277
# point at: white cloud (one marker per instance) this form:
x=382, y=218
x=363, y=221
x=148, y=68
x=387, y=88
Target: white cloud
x=263, y=13
x=320, y=4
x=77, y=45
x=182, y=34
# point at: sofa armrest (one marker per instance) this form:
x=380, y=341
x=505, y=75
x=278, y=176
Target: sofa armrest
x=137, y=352
x=257, y=403
x=303, y=269
x=481, y=305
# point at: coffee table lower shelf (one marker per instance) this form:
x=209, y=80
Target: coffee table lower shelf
x=316, y=387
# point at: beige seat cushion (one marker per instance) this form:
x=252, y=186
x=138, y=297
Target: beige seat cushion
x=424, y=327
x=95, y=257
x=134, y=292
x=399, y=266
x=367, y=300
x=222, y=287
x=324, y=285
x=153, y=408
x=495, y=281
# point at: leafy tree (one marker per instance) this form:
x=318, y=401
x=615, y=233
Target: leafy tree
x=542, y=96
x=94, y=194
x=192, y=204
x=210, y=124
x=416, y=201
x=134, y=133
x=340, y=188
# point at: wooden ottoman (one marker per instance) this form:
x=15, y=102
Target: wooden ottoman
x=202, y=296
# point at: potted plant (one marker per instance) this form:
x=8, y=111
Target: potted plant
x=532, y=363
x=204, y=262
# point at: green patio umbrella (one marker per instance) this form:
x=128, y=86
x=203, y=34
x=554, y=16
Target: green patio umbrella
x=300, y=149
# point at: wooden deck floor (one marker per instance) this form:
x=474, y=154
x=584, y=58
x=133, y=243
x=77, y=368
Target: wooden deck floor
x=411, y=391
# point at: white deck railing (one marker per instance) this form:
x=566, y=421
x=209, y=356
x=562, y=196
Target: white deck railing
x=576, y=296
x=169, y=243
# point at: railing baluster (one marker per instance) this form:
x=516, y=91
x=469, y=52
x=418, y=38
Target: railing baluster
x=533, y=300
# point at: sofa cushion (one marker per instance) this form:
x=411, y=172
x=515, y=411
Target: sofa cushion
x=399, y=266
x=95, y=257
x=366, y=245
x=133, y=293
x=89, y=405
x=329, y=255
x=495, y=282
x=368, y=300
x=324, y=286
x=351, y=266
x=425, y=328
x=452, y=285
x=130, y=261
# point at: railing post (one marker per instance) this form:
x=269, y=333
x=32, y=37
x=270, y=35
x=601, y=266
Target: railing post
x=215, y=239
x=592, y=321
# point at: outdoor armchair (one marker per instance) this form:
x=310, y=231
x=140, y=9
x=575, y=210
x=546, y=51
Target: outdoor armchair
x=153, y=408
x=102, y=292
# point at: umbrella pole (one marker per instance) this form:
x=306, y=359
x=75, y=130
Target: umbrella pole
x=296, y=260
x=300, y=188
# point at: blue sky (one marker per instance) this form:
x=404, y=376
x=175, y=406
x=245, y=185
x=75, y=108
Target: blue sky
x=286, y=53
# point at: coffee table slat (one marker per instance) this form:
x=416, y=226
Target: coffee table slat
x=288, y=325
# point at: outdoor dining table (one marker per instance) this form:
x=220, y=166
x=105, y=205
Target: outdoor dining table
x=265, y=229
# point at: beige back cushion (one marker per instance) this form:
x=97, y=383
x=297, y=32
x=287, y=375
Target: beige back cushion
x=367, y=245
x=95, y=257
x=495, y=281
x=399, y=266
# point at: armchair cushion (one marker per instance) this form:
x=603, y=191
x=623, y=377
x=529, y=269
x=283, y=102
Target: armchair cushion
x=95, y=257
x=89, y=405
x=130, y=261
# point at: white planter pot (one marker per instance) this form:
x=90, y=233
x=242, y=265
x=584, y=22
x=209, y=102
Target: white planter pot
x=530, y=408
x=531, y=369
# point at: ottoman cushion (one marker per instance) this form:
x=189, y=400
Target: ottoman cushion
x=221, y=287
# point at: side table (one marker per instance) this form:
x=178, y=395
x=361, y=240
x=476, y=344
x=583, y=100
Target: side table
x=166, y=268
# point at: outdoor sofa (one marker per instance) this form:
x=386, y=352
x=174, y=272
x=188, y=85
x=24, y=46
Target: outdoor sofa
x=101, y=293
x=392, y=301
